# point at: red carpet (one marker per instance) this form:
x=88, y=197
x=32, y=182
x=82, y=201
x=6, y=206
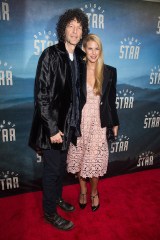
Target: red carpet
x=130, y=210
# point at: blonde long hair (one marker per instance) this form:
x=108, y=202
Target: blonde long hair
x=100, y=63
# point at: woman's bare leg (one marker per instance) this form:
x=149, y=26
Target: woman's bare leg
x=94, y=191
x=83, y=190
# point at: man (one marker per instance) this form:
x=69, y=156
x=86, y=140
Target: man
x=56, y=120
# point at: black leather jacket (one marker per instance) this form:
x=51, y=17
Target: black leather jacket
x=53, y=96
x=108, y=111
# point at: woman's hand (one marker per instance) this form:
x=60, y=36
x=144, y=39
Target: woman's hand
x=115, y=130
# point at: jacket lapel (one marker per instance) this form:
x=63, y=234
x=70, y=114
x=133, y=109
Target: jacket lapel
x=84, y=90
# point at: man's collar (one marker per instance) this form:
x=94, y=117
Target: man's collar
x=78, y=51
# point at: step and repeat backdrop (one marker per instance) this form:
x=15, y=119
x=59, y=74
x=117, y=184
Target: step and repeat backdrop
x=130, y=33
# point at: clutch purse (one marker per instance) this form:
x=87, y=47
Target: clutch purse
x=110, y=135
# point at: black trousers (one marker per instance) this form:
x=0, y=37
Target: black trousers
x=53, y=172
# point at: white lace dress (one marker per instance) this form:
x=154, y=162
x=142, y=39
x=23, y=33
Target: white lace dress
x=90, y=156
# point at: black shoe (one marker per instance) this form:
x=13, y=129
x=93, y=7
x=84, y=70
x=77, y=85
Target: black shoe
x=93, y=207
x=82, y=205
x=58, y=222
x=65, y=206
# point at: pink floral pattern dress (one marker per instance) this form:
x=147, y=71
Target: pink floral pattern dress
x=90, y=156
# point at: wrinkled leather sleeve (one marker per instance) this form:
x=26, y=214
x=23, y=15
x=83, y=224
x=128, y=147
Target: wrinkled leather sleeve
x=112, y=97
x=44, y=84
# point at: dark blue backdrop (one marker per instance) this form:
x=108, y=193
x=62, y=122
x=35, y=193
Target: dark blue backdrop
x=130, y=33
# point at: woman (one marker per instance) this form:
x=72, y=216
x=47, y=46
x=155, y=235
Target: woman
x=89, y=158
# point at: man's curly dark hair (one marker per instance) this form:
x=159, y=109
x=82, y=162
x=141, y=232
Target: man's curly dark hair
x=67, y=17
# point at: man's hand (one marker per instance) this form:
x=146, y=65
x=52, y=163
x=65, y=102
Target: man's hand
x=57, y=138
